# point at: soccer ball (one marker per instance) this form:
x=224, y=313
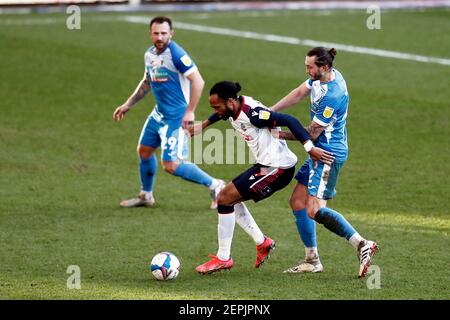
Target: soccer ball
x=165, y=266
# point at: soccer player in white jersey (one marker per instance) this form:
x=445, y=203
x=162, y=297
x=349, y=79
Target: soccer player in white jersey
x=316, y=184
x=177, y=86
x=274, y=168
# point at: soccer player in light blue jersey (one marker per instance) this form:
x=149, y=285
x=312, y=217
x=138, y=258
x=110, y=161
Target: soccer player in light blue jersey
x=177, y=86
x=316, y=181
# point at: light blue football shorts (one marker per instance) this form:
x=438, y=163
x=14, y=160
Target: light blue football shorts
x=167, y=134
x=321, y=181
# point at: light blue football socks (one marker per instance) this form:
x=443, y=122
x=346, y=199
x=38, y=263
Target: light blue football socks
x=191, y=172
x=306, y=228
x=335, y=222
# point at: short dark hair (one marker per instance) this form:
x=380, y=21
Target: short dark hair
x=323, y=56
x=161, y=20
x=225, y=89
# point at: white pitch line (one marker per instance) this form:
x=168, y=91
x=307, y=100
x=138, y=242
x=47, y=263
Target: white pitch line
x=297, y=41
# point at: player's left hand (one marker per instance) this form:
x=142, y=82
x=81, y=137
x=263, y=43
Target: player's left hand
x=318, y=154
x=188, y=119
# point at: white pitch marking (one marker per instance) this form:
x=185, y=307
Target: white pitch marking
x=297, y=41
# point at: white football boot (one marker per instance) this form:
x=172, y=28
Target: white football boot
x=140, y=201
x=307, y=265
x=366, y=250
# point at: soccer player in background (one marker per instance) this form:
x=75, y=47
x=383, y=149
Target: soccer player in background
x=316, y=184
x=274, y=168
x=177, y=86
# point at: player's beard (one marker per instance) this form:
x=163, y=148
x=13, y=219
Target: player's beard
x=316, y=76
x=161, y=45
x=228, y=113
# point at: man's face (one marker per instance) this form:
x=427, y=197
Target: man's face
x=313, y=71
x=161, y=35
x=220, y=106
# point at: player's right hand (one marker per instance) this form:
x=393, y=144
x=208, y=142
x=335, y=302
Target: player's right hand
x=318, y=154
x=194, y=129
x=119, y=113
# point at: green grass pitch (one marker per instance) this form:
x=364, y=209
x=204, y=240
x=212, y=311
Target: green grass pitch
x=65, y=164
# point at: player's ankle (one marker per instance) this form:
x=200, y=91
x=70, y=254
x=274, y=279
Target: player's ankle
x=147, y=195
x=214, y=184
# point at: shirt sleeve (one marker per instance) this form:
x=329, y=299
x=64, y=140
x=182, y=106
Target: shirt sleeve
x=325, y=112
x=262, y=118
x=214, y=118
x=184, y=64
x=308, y=83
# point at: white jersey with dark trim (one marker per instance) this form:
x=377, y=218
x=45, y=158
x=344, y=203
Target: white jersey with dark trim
x=267, y=150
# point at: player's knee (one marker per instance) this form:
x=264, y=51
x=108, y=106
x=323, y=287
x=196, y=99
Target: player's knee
x=297, y=203
x=312, y=211
x=222, y=199
x=170, y=167
x=144, y=152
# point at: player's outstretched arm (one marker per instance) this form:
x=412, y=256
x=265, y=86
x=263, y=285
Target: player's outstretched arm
x=196, y=129
x=294, y=97
x=266, y=118
x=314, y=130
x=283, y=135
x=141, y=91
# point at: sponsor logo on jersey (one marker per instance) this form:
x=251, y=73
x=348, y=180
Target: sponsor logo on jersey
x=186, y=60
x=264, y=115
x=328, y=112
x=158, y=74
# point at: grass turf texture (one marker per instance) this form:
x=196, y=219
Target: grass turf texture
x=65, y=164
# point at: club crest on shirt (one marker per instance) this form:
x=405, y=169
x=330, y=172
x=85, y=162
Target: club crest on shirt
x=328, y=112
x=264, y=115
x=186, y=60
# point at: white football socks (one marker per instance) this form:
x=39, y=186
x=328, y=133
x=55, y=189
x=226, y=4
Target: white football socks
x=225, y=230
x=355, y=240
x=246, y=221
x=311, y=253
x=147, y=194
x=214, y=184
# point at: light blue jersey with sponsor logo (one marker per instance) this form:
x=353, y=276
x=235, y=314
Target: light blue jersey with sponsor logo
x=328, y=107
x=167, y=73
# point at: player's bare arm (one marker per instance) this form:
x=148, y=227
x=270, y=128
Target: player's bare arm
x=283, y=135
x=197, y=85
x=196, y=129
x=317, y=154
x=294, y=97
x=141, y=91
x=314, y=130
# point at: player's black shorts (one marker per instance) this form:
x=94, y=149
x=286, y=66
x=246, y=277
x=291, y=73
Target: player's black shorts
x=260, y=182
